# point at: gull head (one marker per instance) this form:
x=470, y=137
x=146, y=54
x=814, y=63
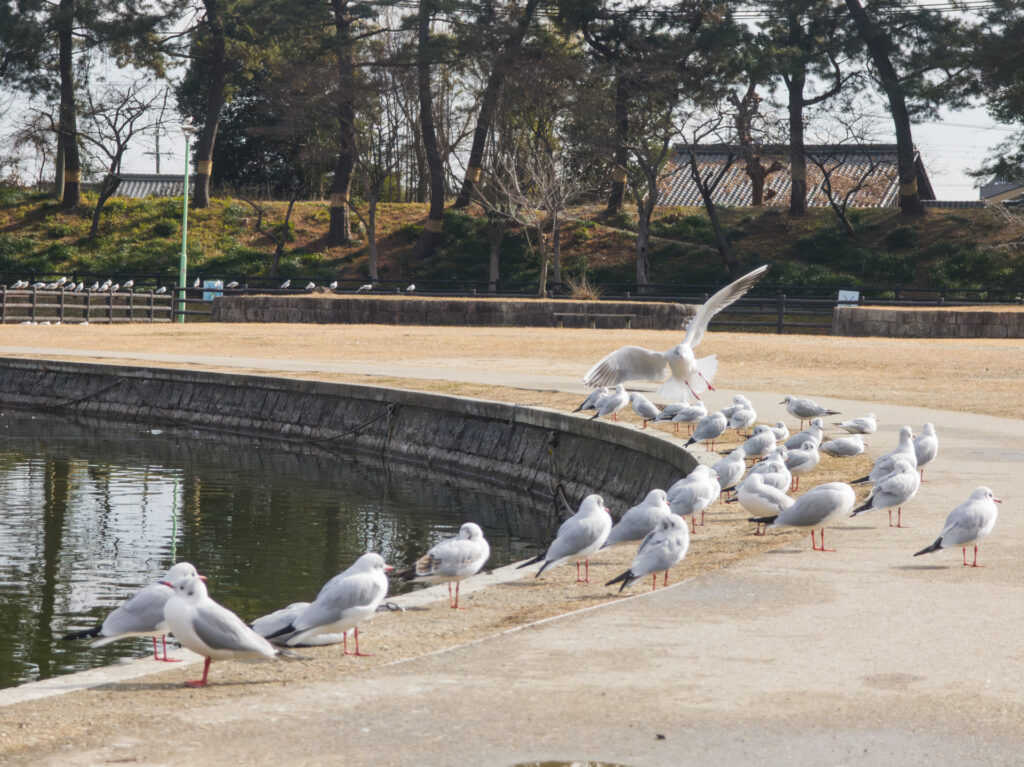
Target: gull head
x=189, y=587
x=471, y=531
x=372, y=561
x=983, y=493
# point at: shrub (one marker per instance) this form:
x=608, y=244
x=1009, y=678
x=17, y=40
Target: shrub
x=901, y=238
x=165, y=228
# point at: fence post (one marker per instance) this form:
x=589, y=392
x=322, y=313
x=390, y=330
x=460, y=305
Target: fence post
x=152, y=297
x=110, y=308
x=88, y=300
x=32, y=308
x=60, y=308
x=781, y=318
x=131, y=304
x=3, y=304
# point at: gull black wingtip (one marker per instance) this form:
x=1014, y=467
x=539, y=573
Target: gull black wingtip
x=937, y=546
x=624, y=579
x=529, y=562
x=83, y=634
x=763, y=520
x=289, y=629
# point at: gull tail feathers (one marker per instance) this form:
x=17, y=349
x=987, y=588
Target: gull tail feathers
x=529, y=562
x=625, y=579
x=84, y=633
x=937, y=546
x=863, y=507
x=763, y=520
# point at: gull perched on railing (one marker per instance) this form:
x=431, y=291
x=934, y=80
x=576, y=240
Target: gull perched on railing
x=679, y=363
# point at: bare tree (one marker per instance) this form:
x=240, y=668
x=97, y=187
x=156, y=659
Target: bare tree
x=754, y=130
x=713, y=129
x=112, y=116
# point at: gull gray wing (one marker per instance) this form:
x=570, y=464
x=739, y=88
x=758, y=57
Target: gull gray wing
x=723, y=298
x=628, y=364
x=574, y=536
x=338, y=595
x=220, y=629
x=279, y=619
x=143, y=612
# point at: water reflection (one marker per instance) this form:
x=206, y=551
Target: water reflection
x=89, y=512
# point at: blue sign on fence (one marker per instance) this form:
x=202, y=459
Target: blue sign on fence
x=218, y=285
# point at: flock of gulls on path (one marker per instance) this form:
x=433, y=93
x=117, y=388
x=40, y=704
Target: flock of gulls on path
x=180, y=604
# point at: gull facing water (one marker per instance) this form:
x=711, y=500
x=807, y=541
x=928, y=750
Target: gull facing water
x=664, y=547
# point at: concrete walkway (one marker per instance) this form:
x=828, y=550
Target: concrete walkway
x=865, y=656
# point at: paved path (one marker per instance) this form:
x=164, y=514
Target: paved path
x=865, y=656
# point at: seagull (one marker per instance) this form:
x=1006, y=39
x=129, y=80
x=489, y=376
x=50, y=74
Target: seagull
x=709, y=428
x=639, y=520
x=210, y=629
x=580, y=535
x=802, y=461
x=864, y=425
x=643, y=407
x=161, y=289
x=232, y=285
x=816, y=508
x=343, y=603
x=50, y=286
x=363, y=288
x=106, y=284
x=613, y=403
x=61, y=281
x=95, y=286
x=18, y=285
x=844, y=447
x=926, y=447
x=730, y=470
x=683, y=370
x=804, y=408
x=762, y=499
x=285, y=285
x=197, y=283
x=781, y=431
x=410, y=289
x=592, y=402
x=760, y=443
x=310, y=285
x=80, y=287
x=694, y=492
x=884, y=465
x=690, y=415
x=114, y=288
x=739, y=402
x=129, y=284
x=743, y=418
x=142, y=615
x=967, y=524
x=38, y=285
x=453, y=560
x=278, y=619
x=333, y=285
x=664, y=547
x=892, y=491
x=814, y=432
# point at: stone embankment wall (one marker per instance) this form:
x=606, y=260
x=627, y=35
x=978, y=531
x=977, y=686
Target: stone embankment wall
x=530, y=450
x=407, y=310
x=928, y=323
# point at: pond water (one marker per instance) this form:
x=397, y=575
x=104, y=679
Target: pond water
x=90, y=512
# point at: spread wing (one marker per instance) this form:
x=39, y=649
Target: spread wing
x=717, y=302
x=627, y=364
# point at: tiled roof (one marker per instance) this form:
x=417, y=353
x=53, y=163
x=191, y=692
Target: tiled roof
x=138, y=185
x=880, y=190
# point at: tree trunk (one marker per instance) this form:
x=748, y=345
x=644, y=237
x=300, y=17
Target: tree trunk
x=58, y=183
x=797, y=155
x=489, y=101
x=618, y=190
x=435, y=164
x=556, y=250
x=495, y=236
x=107, y=189
x=724, y=249
x=217, y=64
x=67, y=124
x=341, y=186
x=910, y=198
x=542, y=282
x=371, y=240
x=643, y=258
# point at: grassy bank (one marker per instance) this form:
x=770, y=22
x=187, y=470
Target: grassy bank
x=954, y=249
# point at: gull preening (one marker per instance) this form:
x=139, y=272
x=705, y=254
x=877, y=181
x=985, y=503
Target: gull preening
x=683, y=370
x=140, y=616
x=892, y=491
x=816, y=508
x=210, y=629
x=967, y=524
x=364, y=288
x=664, y=547
x=804, y=408
x=639, y=520
x=345, y=601
x=452, y=561
x=579, y=536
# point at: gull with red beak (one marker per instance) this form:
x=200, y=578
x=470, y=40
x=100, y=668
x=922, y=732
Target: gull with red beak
x=212, y=630
x=967, y=524
x=140, y=616
x=345, y=601
x=580, y=535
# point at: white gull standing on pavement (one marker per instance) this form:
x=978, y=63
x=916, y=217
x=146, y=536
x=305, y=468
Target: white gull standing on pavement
x=885, y=464
x=664, y=547
x=759, y=444
x=892, y=491
x=804, y=408
x=579, y=536
x=210, y=629
x=694, y=492
x=684, y=370
x=866, y=424
x=643, y=407
x=639, y=520
x=140, y=616
x=345, y=601
x=967, y=524
x=926, y=447
x=816, y=508
x=452, y=560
